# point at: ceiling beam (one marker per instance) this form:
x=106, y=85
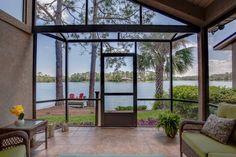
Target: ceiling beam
x=217, y=9
x=181, y=9
x=116, y=28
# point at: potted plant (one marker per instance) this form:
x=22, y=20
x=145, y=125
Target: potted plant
x=169, y=122
x=18, y=110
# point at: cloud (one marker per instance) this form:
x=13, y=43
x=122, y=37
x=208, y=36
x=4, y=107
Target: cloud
x=191, y=72
x=191, y=44
x=220, y=66
x=215, y=67
x=65, y=15
x=45, y=1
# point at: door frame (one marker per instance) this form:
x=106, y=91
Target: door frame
x=119, y=119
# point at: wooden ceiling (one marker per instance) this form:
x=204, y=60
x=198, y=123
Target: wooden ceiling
x=201, y=3
x=198, y=12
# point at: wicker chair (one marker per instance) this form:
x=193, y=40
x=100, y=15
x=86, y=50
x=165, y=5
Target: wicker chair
x=194, y=126
x=14, y=139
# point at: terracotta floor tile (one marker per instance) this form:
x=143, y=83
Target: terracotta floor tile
x=95, y=140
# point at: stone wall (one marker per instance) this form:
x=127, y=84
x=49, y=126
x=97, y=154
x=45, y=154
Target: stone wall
x=16, y=57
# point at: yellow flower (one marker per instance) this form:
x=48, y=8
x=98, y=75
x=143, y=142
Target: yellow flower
x=17, y=110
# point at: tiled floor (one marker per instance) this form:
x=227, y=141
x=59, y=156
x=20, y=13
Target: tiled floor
x=95, y=140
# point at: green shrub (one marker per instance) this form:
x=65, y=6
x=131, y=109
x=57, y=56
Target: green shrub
x=187, y=110
x=142, y=108
x=124, y=108
x=185, y=92
x=129, y=108
x=156, y=105
x=190, y=110
x=216, y=94
x=161, y=104
x=222, y=94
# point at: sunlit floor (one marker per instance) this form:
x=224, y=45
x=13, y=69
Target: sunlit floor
x=95, y=140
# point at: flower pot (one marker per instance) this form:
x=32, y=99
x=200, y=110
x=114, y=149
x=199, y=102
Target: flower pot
x=51, y=128
x=20, y=122
x=171, y=132
x=65, y=127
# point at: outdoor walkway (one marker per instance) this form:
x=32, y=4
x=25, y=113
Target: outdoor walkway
x=95, y=140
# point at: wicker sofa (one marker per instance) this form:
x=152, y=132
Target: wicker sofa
x=195, y=144
x=14, y=144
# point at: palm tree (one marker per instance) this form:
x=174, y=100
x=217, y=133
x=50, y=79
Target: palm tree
x=156, y=56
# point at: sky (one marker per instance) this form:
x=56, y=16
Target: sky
x=13, y=7
x=220, y=61
x=79, y=59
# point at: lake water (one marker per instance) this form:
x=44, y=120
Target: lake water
x=47, y=91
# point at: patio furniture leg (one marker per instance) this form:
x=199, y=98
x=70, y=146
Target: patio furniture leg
x=46, y=137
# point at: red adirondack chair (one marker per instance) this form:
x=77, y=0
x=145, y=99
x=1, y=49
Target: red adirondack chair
x=77, y=103
x=81, y=96
x=71, y=96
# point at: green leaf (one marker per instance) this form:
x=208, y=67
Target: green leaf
x=21, y=116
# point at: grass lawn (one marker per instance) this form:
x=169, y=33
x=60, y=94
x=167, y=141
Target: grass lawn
x=142, y=115
x=72, y=119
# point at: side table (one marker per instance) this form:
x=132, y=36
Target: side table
x=31, y=127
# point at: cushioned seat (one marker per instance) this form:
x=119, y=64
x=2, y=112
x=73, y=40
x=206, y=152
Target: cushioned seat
x=203, y=145
x=228, y=111
x=19, y=151
x=221, y=155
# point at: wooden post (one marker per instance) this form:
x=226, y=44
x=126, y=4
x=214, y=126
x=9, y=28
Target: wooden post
x=96, y=108
x=203, y=80
x=234, y=65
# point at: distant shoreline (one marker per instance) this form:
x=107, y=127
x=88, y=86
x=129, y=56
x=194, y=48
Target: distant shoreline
x=129, y=81
x=127, y=77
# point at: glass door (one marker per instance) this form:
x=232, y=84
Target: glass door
x=118, y=90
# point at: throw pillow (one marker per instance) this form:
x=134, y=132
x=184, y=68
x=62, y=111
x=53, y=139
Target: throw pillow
x=218, y=128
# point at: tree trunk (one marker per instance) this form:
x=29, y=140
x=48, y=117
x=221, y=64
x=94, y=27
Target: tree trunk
x=58, y=46
x=159, y=83
x=92, y=74
x=59, y=75
x=93, y=58
x=159, y=80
